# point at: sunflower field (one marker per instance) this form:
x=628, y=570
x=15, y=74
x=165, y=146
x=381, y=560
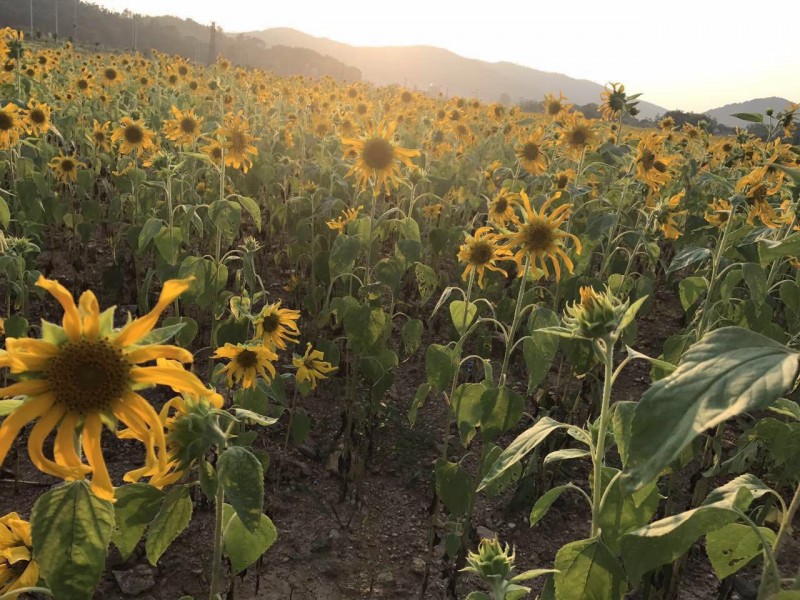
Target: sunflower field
x=243, y=310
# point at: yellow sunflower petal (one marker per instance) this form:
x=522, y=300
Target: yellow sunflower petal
x=29, y=411
x=101, y=482
x=89, y=310
x=154, y=352
x=72, y=318
x=136, y=330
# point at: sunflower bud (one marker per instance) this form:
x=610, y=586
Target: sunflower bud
x=194, y=431
x=492, y=561
x=596, y=315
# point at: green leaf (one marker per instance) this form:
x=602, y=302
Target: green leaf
x=688, y=257
x=364, y=326
x=187, y=332
x=249, y=415
x=734, y=546
x=301, y=425
x=588, y=570
x=343, y=254
x=728, y=492
x=565, y=454
x=5, y=213
x=782, y=406
x=751, y=117
x=691, y=289
x=769, y=250
x=532, y=574
x=137, y=504
x=242, y=546
x=151, y=227
x=419, y=401
x=167, y=243
x=478, y=596
x=454, y=486
x=539, y=349
x=756, y=280
x=16, y=326
x=462, y=315
x=227, y=218
x=252, y=208
x=71, y=530
x=621, y=422
x=520, y=447
x=411, y=334
x=242, y=477
x=665, y=541
x=440, y=366
x=427, y=282
x=728, y=372
x=467, y=409
x=545, y=501
x=622, y=512
x=501, y=410
x=171, y=520
x=9, y=406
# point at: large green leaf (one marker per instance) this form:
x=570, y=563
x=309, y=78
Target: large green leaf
x=242, y=477
x=462, y=315
x=71, y=529
x=364, y=326
x=137, y=504
x=454, y=486
x=440, y=366
x=343, y=254
x=501, y=408
x=664, y=541
x=520, y=447
x=539, y=348
x=468, y=409
x=587, y=570
x=171, y=520
x=728, y=372
x=732, y=547
x=546, y=500
x=769, y=250
x=245, y=547
x=622, y=512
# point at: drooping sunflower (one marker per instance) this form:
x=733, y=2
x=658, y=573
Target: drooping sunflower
x=247, y=363
x=10, y=126
x=577, y=134
x=652, y=162
x=100, y=136
x=214, y=151
x=718, y=212
x=17, y=568
x=66, y=168
x=348, y=216
x=613, y=101
x=237, y=142
x=37, y=118
x=185, y=128
x=539, y=237
x=562, y=178
x=135, y=138
x=481, y=251
x=83, y=375
x=276, y=325
x=531, y=153
x=501, y=208
x=312, y=366
x=377, y=157
x=554, y=107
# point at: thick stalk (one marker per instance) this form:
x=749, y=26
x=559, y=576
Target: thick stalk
x=599, y=449
x=770, y=576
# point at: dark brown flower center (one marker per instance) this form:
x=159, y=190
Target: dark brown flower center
x=578, y=136
x=562, y=181
x=110, y=74
x=88, y=376
x=83, y=84
x=480, y=252
x=377, y=154
x=37, y=116
x=67, y=165
x=553, y=108
x=538, y=236
x=247, y=359
x=6, y=121
x=188, y=125
x=134, y=134
x=647, y=160
x=530, y=151
x=238, y=141
x=271, y=323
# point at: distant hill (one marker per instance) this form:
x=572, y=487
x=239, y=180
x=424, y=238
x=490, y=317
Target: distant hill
x=94, y=25
x=435, y=70
x=757, y=105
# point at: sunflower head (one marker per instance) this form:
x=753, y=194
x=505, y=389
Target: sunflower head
x=311, y=367
x=596, y=315
x=492, y=561
x=17, y=567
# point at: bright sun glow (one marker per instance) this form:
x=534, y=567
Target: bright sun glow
x=684, y=54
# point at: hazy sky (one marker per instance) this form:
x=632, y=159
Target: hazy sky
x=688, y=54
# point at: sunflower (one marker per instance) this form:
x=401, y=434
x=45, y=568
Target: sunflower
x=531, y=155
x=311, y=366
x=718, y=212
x=184, y=129
x=17, y=567
x=562, y=178
x=376, y=157
x=214, y=151
x=66, y=168
x=481, y=251
x=111, y=76
x=666, y=214
x=652, y=163
x=135, y=137
x=576, y=134
x=501, y=208
x=10, y=126
x=100, y=137
x=237, y=142
x=666, y=124
x=247, y=362
x=433, y=211
x=348, y=216
x=554, y=107
x=539, y=236
x=37, y=119
x=84, y=374
x=276, y=325
x=613, y=101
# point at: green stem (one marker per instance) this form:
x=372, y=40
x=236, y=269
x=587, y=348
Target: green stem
x=216, y=564
x=514, y=322
x=607, y=351
x=720, y=250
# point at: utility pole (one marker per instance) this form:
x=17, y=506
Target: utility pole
x=212, y=44
x=75, y=23
x=56, y=6
x=133, y=19
x=31, y=19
